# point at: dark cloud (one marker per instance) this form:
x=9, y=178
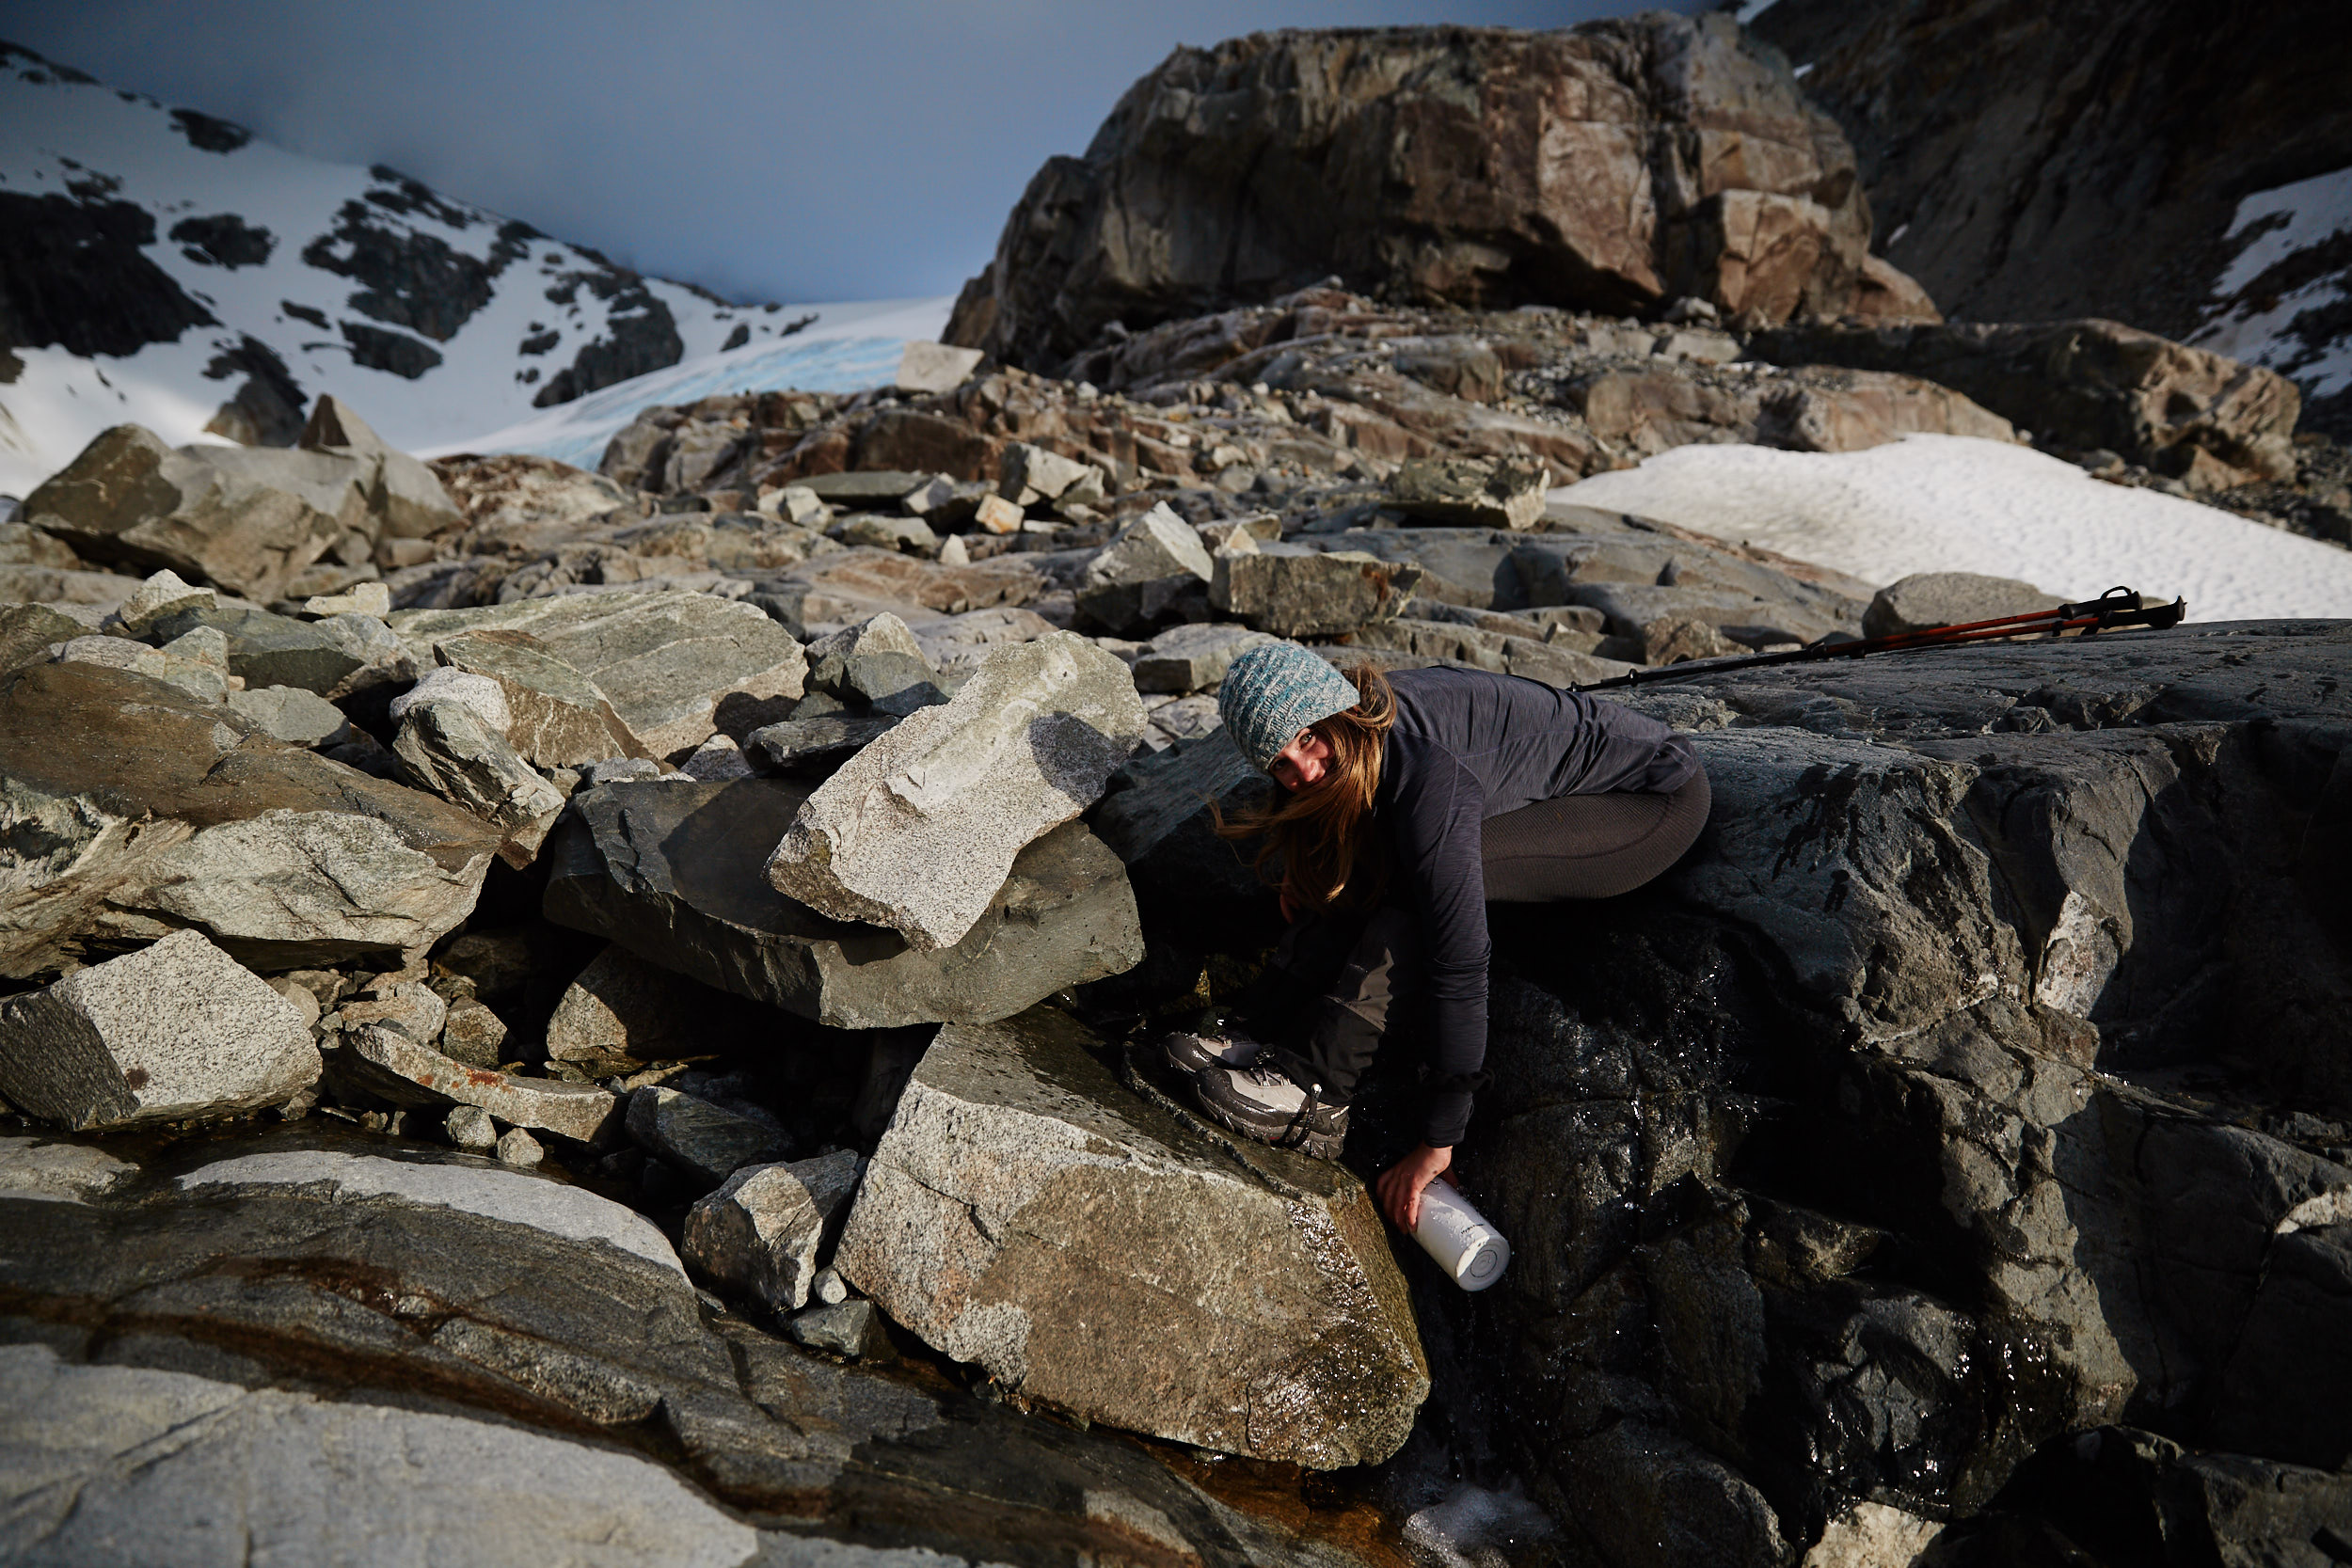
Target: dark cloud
x=765, y=150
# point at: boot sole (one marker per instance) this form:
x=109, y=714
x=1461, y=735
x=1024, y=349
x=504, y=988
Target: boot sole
x=1318, y=1145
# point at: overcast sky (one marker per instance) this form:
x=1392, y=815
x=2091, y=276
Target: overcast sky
x=863, y=149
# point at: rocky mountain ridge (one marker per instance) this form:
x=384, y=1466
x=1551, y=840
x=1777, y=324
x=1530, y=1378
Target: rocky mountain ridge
x=157, y=261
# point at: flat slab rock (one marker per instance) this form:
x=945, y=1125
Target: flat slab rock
x=167, y=812
x=1026, y=1212
x=388, y=1062
x=671, y=871
x=668, y=661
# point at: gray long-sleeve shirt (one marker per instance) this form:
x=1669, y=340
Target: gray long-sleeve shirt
x=1467, y=746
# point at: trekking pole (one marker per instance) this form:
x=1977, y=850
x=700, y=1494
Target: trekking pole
x=2117, y=607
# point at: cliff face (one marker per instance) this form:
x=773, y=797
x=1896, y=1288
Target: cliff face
x=1614, y=167
x=2160, y=162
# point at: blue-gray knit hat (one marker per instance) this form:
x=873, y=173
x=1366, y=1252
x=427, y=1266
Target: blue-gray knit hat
x=1275, y=690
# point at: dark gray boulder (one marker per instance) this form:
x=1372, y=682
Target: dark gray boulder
x=671, y=871
x=1998, y=1020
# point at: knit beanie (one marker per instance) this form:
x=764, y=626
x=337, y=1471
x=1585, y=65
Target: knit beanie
x=1275, y=690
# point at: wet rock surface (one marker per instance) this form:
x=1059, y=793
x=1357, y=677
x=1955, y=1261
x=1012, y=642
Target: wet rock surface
x=1026, y=1212
x=349, y=1338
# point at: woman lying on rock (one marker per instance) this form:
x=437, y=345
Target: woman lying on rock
x=1414, y=800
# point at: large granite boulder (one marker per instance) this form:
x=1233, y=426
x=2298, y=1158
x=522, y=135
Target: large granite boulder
x=918, y=830
x=1609, y=168
x=166, y=812
x=672, y=872
x=672, y=663
x=174, y=1032
x=344, y=1342
x=245, y=519
x=1026, y=1212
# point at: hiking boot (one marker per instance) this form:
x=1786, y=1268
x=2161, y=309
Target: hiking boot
x=1188, y=1053
x=1264, y=1103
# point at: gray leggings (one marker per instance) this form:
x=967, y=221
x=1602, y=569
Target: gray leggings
x=1350, y=972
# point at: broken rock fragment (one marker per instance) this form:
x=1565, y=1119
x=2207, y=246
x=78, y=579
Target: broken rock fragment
x=669, y=661
x=1139, y=577
x=174, y=1031
x=452, y=749
x=1470, y=492
x=557, y=716
x=168, y=812
x=385, y=1062
x=1026, y=1212
x=1291, y=591
x=813, y=746
x=919, y=830
x=876, y=661
x=1189, y=659
x=761, y=1230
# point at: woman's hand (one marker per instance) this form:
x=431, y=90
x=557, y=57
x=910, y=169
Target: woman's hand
x=1400, y=1185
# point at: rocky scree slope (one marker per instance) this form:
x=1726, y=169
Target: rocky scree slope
x=2026, y=937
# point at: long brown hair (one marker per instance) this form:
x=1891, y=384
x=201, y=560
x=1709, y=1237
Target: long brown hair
x=1314, y=838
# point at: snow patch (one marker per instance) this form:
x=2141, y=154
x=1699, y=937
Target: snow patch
x=1955, y=504
x=506, y=1195
x=2286, y=331
x=850, y=348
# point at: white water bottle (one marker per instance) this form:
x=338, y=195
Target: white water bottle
x=1459, y=1237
